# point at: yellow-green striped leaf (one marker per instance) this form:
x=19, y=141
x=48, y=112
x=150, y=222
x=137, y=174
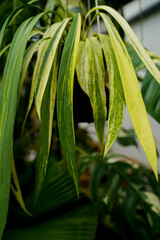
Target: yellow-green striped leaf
x=44, y=44
x=65, y=97
x=8, y=101
x=132, y=94
x=91, y=76
x=116, y=95
x=26, y=61
x=134, y=40
x=47, y=110
x=47, y=61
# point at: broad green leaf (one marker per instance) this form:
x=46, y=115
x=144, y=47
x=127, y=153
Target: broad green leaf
x=133, y=39
x=112, y=192
x=116, y=95
x=151, y=95
x=58, y=213
x=46, y=63
x=17, y=190
x=8, y=102
x=47, y=110
x=91, y=76
x=133, y=95
x=127, y=137
x=149, y=197
x=65, y=97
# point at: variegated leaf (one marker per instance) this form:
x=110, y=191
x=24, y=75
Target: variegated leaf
x=132, y=94
x=116, y=95
x=47, y=110
x=133, y=39
x=65, y=97
x=8, y=102
x=91, y=76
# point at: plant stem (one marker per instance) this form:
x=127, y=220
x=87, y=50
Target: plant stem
x=67, y=8
x=89, y=7
x=98, y=20
x=90, y=25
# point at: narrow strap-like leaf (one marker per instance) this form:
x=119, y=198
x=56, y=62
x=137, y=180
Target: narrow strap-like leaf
x=12, y=16
x=17, y=191
x=91, y=76
x=65, y=97
x=46, y=63
x=8, y=101
x=47, y=110
x=116, y=95
x=28, y=56
x=133, y=38
x=49, y=38
x=133, y=95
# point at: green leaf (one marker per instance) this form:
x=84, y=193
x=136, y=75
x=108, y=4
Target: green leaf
x=116, y=95
x=17, y=190
x=58, y=213
x=133, y=39
x=81, y=69
x=11, y=17
x=8, y=102
x=47, y=110
x=46, y=52
x=47, y=61
x=4, y=49
x=91, y=76
x=127, y=137
x=65, y=97
x=133, y=95
x=151, y=95
x=26, y=61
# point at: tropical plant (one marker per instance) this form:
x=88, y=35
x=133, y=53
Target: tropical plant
x=125, y=195
x=56, y=50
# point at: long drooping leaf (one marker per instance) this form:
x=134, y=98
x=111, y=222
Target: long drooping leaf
x=47, y=61
x=91, y=76
x=58, y=213
x=8, y=101
x=151, y=96
x=133, y=95
x=47, y=110
x=28, y=56
x=65, y=97
x=133, y=38
x=46, y=52
x=116, y=95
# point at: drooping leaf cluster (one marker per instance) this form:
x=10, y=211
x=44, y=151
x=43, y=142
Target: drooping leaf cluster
x=62, y=50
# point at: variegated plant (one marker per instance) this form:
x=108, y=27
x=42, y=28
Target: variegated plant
x=63, y=50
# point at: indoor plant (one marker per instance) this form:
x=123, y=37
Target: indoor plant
x=62, y=48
